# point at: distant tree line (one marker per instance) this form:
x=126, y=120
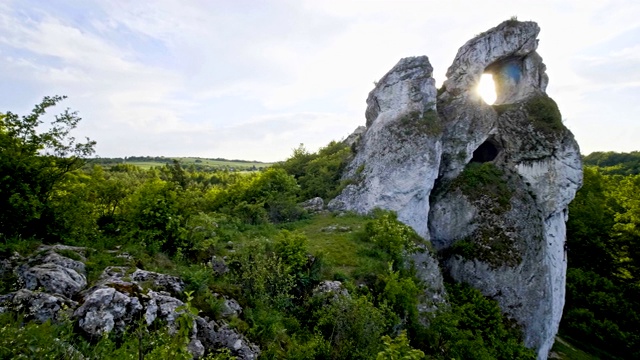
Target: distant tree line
x=615, y=163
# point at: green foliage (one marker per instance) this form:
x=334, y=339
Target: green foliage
x=473, y=329
x=394, y=238
x=318, y=173
x=399, y=349
x=19, y=340
x=258, y=198
x=603, y=278
x=352, y=325
x=401, y=294
x=33, y=165
x=263, y=277
x=614, y=163
x=543, y=112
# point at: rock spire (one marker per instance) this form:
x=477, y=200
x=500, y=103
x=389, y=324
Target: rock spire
x=488, y=185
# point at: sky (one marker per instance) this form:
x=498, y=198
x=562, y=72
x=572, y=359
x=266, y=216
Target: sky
x=252, y=79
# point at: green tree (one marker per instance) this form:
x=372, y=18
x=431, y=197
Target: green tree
x=33, y=163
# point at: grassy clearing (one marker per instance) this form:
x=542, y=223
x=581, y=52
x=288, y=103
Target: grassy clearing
x=564, y=350
x=344, y=251
x=199, y=163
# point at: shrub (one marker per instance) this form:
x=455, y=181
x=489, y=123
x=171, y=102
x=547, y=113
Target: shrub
x=394, y=238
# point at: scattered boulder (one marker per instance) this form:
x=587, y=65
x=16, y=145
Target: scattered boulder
x=330, y=287
x=313, y=205
x=107, y=309
x=214, y=336
x=336, y=228
x=219, y=266
x=52, y=278
x=38, y=306
x=171, y=284
x=230, y=308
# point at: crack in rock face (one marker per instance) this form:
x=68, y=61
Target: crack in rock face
x=488, y=185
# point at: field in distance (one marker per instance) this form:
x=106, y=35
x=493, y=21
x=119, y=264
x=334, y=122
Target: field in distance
x=200, y=164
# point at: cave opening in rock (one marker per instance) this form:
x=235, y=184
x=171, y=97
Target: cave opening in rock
x=486, y=152
x=487, y=89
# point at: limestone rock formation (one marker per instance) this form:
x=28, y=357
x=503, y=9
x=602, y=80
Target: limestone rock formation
x=488, y=185
x=398, y=155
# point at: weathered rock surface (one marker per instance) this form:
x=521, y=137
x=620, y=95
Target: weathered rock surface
x=53, y=273
x=398, y=156
x=214, y=336
x=489, y=186
x=313, y=205
x=119, y=297
x=36, y=305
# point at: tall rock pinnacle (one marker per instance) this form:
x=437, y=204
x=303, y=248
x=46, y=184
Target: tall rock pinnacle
x=488, y=185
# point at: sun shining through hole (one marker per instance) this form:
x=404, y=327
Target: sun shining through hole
x=487, y=89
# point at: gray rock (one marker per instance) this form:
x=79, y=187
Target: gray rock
x=107, y=309
x=169, y=283
x=354, y=137
x=214, y=336
x=36, y=305
x=428, y=271
x=524, y=266
x=230, y=308
x=313, y=205
x=219, y=266
x=415, y=147
x=196, y=348
x=398, y=156
x=336, y=228
x=330, y=287
x=53, y=278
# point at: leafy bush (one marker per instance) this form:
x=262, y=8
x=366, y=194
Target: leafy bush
x=394, y=238
x=399, y=349
x=33, y=164
x=319, y=174
x=473, y=329
x=353, y=326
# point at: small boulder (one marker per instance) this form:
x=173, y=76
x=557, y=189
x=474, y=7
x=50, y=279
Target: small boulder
x=171, y=284
x=219, y=266
x=214, y=336
x=53, y=278
x=313, y=205
x=230, y=308
x=106, y=309
x=36, y=305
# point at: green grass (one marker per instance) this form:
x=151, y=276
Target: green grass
x=568, y=351
x=237, y=165
x=344, y=251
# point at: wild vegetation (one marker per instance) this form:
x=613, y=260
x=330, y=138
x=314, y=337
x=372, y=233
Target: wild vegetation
x=174, y=220
x=603, y=279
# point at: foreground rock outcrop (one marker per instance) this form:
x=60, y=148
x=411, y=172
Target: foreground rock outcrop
x=54, y=287
x=488, y=185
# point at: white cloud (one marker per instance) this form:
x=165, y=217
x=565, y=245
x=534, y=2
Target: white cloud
x=254, y=79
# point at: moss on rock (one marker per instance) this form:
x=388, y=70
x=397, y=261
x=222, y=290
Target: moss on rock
x=543, y=112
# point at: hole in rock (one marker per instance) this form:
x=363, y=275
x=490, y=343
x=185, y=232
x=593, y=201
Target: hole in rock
x=506, y=75
x=487, y=89
x=486, y=152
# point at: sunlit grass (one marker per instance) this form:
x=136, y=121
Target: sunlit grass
x=344, y=251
